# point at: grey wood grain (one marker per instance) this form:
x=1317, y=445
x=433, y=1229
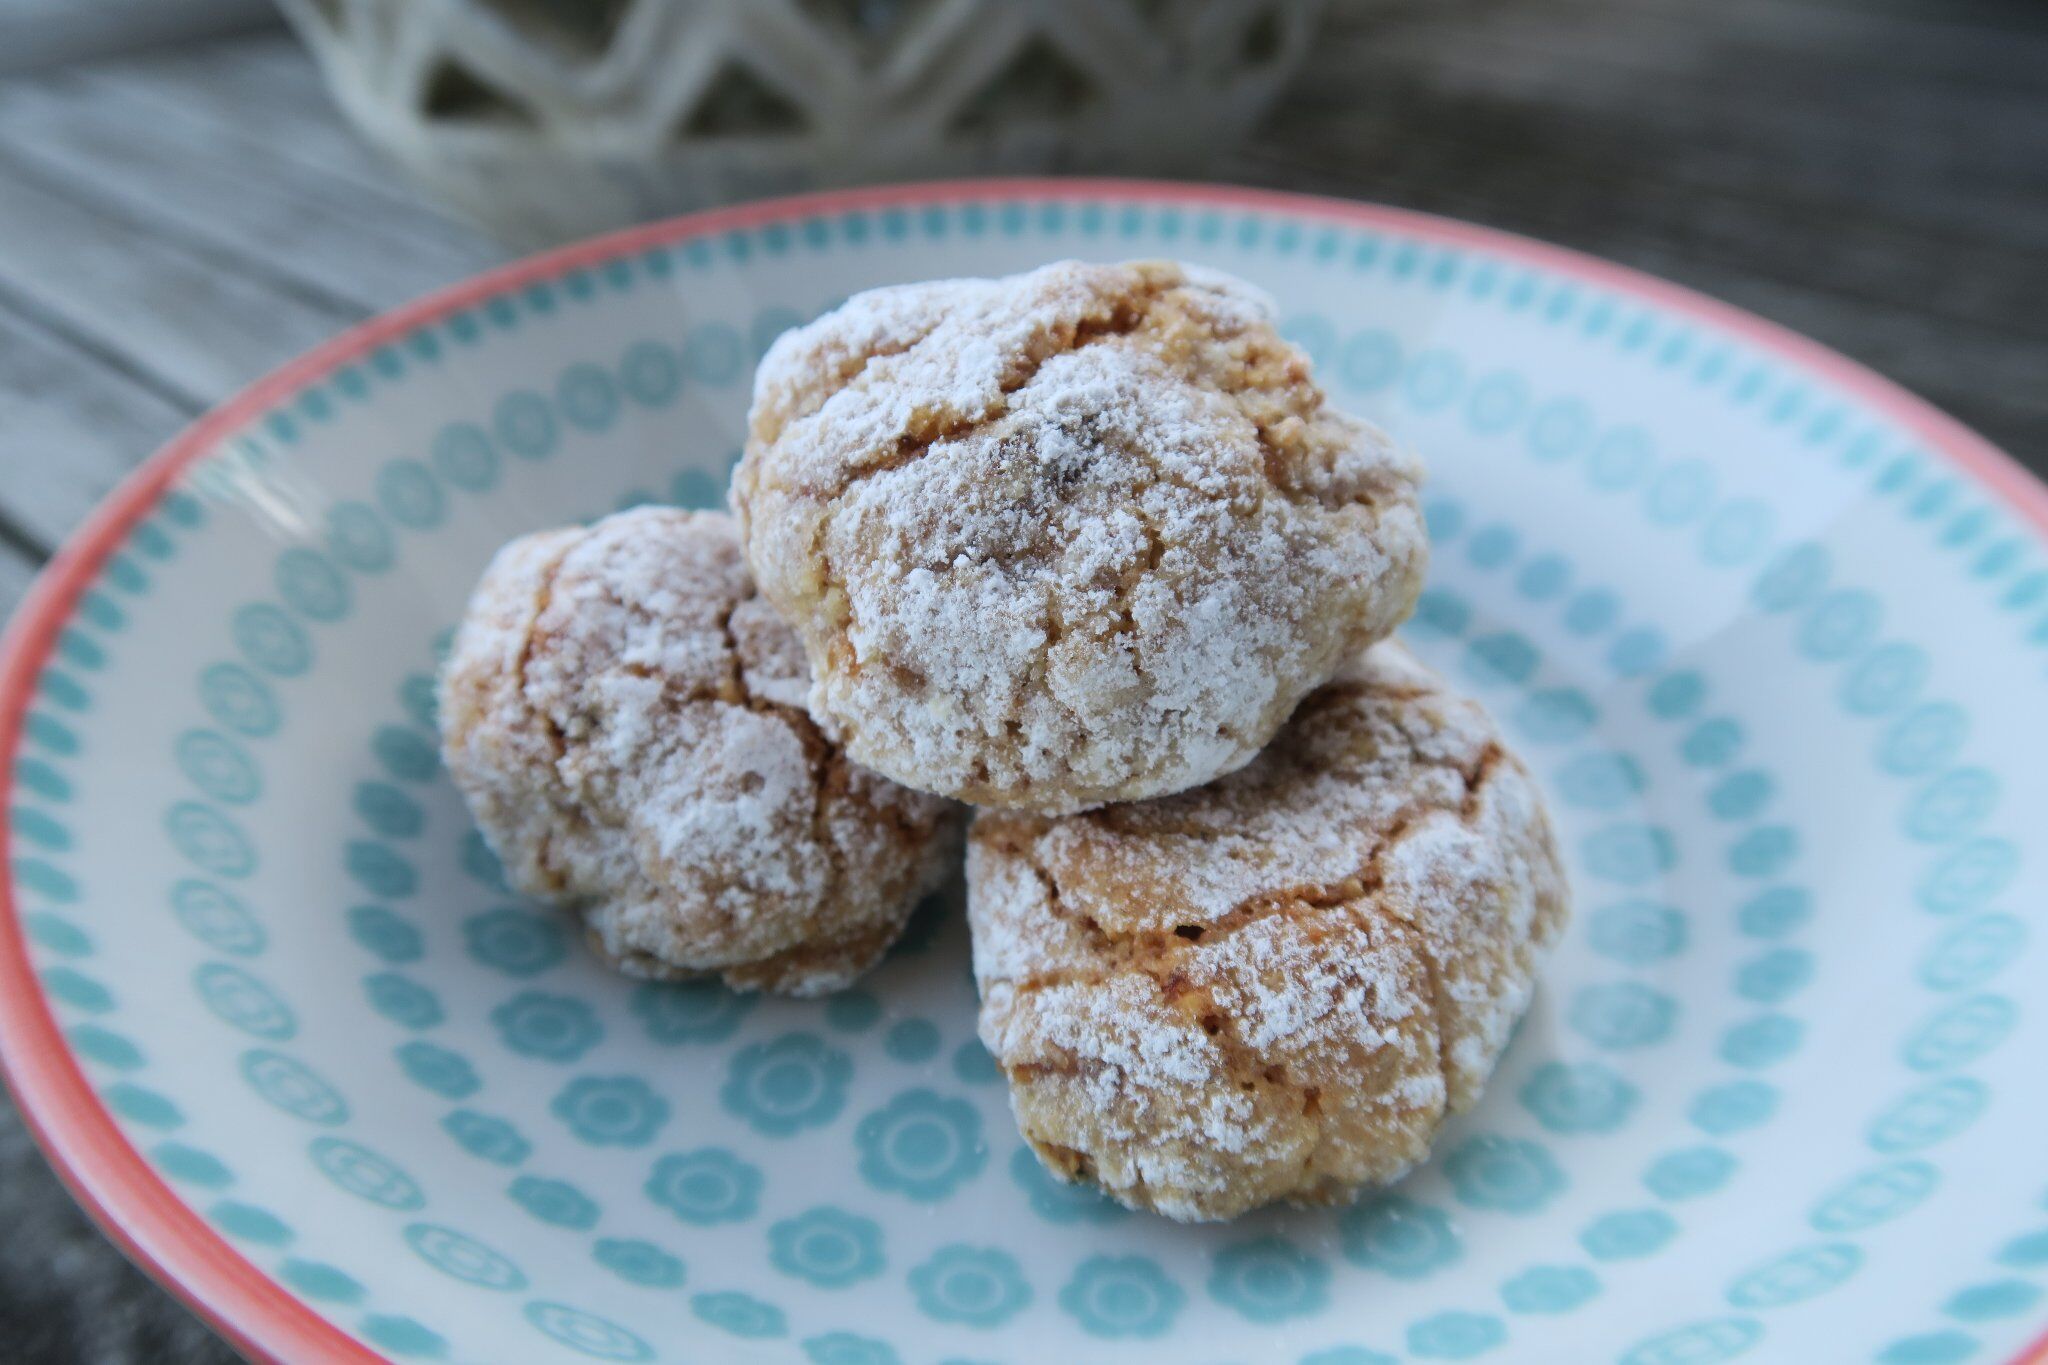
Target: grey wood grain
x=277, y=77
x=1783, y=154
x=71, y=424
x=230, y=187
x=185, y=315
x=40, y=32
x=17, y=568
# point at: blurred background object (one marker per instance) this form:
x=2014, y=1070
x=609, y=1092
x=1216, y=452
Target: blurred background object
x=551, y=119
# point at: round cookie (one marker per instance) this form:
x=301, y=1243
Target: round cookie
x=1278, y=986
x=1082, y=535
x=625, y=717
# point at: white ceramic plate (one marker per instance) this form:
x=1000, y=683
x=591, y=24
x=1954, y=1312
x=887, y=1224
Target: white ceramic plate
x=1771, y=632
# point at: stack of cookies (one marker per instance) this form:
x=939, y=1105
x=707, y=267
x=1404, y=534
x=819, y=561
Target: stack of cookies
x=1255, y=901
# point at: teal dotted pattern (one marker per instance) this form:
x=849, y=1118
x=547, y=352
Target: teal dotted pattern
x=914, y=1147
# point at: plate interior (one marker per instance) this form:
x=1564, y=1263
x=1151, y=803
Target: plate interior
x=1777, y=664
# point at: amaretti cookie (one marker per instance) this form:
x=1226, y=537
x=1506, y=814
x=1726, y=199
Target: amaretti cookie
x=1077, y=536
x=1276, y=987
x=625, y=716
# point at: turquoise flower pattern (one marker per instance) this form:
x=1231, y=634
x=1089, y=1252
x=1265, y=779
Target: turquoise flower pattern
x=465, y=1258
x=1269, y=1280
x=1995, y=1299
x=404, y=754
x=217, y=918
x=1622, y=1015
x=852, y=1011
x=974, y=1286
x=974, y=1064
x=386, y=934
x=416, y=694
x=844, y=1348
x=554, y=1028
x=555, y=1201
x=317, y=1280
x=912, y=1040
x=1690, y=1173
x=828, y=1247
x=783, y=1086
x=1637, y=933
x=642, y=1263
x=487, y=1136
x=1627, y=1235
x=586, y=1333
x=1399, y=1237
x=921, y=1144
x=404, y=1336
x=611, y=1111
x=709, y=1185
x=388, y=811
x=516, y=942
x=1061, y=1201
x=1122, y=1296
x=447, y=1074
x=379, y=870
x=1582, y=1098
x=1509, y=1174
x=366, y=1174
x=1455, y=1336
x=248, y=1223
x=402, y=1000
x=1550, y=1289
x=481, y=863
x=743, y=1315
x=1733, y=1107
x=689, y=1011
x=289, y=1084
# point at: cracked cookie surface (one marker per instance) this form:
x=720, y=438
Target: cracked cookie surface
x=625, y=716
x=1276, y=987
x=1077, y=536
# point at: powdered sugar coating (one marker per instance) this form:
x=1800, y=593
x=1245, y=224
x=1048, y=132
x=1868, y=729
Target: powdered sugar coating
x=1280, y=985
x=624, y=715
x=1082, y=535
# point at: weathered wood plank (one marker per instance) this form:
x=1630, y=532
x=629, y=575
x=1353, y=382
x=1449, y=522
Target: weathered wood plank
x=71, y=425
x=17, y=570
x=41, y=32
x=231, y=192
x=1685, y=108
x=1618, y=199
x=196, y=321
x=218, y=84
x=1923, y=40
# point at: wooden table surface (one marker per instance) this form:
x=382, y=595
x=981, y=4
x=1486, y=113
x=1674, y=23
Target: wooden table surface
x=1871, y=172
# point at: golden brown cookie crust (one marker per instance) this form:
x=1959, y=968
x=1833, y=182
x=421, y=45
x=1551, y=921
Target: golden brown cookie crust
x=1082, y=535
x=625, y=716
x=1278, y=986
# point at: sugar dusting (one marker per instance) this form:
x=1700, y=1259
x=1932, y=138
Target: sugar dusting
x=624, y=715
x=1279, y=985
x=1082, y=535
